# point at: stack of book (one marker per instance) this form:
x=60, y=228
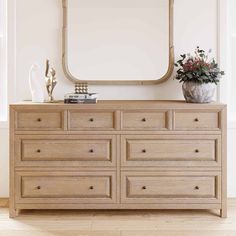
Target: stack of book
x=74, y=98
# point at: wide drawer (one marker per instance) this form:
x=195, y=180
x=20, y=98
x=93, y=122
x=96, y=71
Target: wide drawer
x=76, y=150
x=172, y=187
x=146, y=120
x=196, y=120
x=91, y=120
x=69, y=187
x=40, y=120
x=171, y=150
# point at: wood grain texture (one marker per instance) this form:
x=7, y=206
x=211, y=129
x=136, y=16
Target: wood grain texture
x=66, y=187
x=91, y=120
x=40, y=120
x=171, y=150
x=64, y=150
x=145, y=120
x=85, y=150
x=171, y=187
x=118, y=155
x=196, y=120
x=113, y=222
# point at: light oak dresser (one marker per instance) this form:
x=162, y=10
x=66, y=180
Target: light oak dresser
x=118, y=155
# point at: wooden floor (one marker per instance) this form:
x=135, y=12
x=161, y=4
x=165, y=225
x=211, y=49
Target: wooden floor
x=118, y=223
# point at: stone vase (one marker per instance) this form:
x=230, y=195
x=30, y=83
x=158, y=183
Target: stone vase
x=195, y=92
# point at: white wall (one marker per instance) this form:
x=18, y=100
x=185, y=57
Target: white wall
x=38, y=36
x=4, y=162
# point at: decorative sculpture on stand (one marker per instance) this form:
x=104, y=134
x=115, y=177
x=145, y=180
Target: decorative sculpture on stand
x=51, y=81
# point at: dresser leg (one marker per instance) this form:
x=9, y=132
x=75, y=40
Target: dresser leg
x=223, y=213
x=13, y=213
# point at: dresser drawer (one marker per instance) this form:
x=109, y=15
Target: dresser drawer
x=146, y=120
x=40, y=120
x=197, y=120
x=170, y=150
x=173, y=187
x=76, y=150
x=79, y=187
x=91, y=120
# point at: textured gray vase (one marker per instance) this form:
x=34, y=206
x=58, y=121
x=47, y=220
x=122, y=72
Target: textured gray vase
x=198, y=93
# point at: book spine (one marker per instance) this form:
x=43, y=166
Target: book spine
x=80, y=101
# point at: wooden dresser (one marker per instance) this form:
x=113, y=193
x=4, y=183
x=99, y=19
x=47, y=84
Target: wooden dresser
x=118, y=155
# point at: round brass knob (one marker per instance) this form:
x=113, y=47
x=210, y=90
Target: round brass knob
x=196, y=120
x=197, y=188
x=91, y=187
x=91, y=120
x=38, y=187
x=144, y=187
x=144, y=120
x=39, y=119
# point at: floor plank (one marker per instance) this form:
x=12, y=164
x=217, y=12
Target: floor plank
x=118, y=223
x=178, y=233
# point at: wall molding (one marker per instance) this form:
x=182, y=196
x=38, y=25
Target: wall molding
x=222, y=47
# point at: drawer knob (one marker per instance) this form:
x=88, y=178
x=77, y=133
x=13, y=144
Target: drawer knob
x=39, y=119
x=196, y=120
x=197, y=151
x=91, y=120
x=144, y=120
x=91, y=151
x=144, y=150
x=197, y=188
x=38, y=187
x=38, y=150
x=144, y=187
x=91, y=187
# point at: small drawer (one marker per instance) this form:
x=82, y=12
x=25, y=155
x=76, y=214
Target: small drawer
x=197, y=120
x=79, y=187
x=94, y=120
x=157, y=150
x=40, y=120
x=177, y=187
x=146, y=120
x=76, y=150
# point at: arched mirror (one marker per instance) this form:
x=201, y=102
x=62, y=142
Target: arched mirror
x=118, y=41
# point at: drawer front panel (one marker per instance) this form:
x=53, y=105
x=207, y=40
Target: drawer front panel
x=198, y=120
x=155, y=150
x=77, y=150
x=145, y=120
x=40, y=120
x=85, y=120
x=163, y=187
x=87, y=187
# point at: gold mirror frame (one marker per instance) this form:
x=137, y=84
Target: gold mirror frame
x=118, y=82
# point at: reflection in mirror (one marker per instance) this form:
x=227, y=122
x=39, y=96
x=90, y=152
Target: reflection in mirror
x=118, y=40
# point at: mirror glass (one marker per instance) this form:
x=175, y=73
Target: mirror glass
x=118, y=40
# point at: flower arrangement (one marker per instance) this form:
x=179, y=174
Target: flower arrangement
x=198, y=68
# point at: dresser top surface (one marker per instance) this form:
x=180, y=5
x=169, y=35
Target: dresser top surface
x=119, y=104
